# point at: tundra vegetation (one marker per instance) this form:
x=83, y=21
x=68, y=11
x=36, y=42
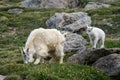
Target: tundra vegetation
x=15, y=28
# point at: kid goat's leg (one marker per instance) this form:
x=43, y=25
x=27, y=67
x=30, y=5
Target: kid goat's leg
x=91, y=40
x=95, y=42
x=102, y=43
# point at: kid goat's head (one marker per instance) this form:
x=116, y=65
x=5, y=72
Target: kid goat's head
x=27, y=55
x=88, y=29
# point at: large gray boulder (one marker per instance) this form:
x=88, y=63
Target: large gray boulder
x=72, y=22
x=89, y=55
x=95, y=5
x=110, y=64
x=2, y=77
x=73, y=3
x=37, y=4
x=104, y=0
x=73, y=42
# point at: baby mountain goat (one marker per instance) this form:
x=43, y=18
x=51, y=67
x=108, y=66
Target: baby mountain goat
x=44, y=43
x=96, y=35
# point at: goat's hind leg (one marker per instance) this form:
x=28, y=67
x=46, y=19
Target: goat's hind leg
x=61, y=59
x=60, y=53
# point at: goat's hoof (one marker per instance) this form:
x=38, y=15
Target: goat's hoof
x=36, y=63
x=61, y=62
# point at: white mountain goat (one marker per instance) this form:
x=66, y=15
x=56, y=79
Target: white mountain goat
x=44, y=43
x=96, y=36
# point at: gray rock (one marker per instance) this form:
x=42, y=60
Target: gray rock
x=73, y=22
x=73, y=42
x=109, y=24
x=104, y=0
x=2, y=6
x=89, y=55
x=37, y=4
x=73, y=3
x=94, y=5
x=16, y=10
x=2, y=77
x=110, y=64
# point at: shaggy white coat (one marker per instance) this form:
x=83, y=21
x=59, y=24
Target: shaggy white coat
x=44, y=43
x=96, y=36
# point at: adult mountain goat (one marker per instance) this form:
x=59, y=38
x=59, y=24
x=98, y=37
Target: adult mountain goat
x=44, y=43
x=97, y=36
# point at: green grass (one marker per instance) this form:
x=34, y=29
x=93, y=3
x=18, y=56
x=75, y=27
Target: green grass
x=116, y=3
x=15, y=28
x=52, y=71
x=31, y=19
x=112, y=43
x=13, y=77
x=11, y=64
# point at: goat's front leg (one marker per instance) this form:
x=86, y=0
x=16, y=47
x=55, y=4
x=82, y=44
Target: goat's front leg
x=37, y=60
x=91, y=40
x=95, y=42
